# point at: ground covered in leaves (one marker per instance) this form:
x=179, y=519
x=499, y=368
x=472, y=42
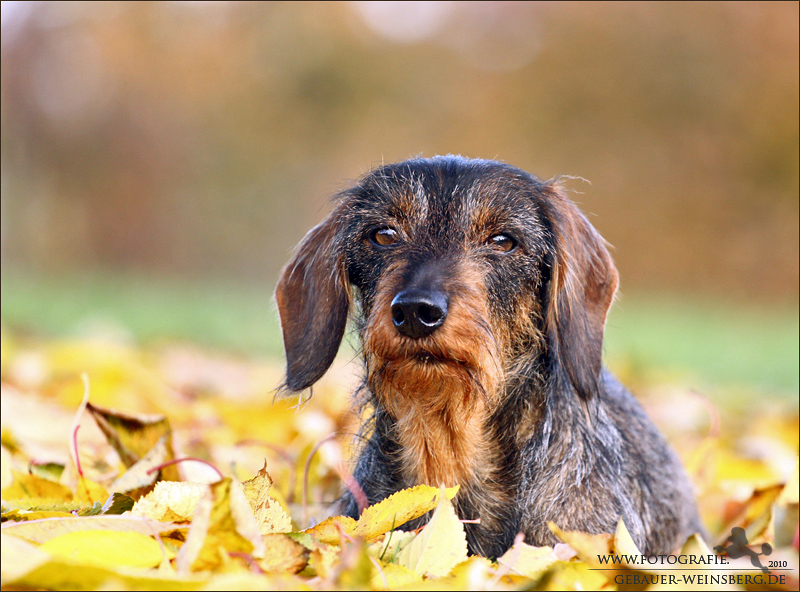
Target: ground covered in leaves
x=172, y=468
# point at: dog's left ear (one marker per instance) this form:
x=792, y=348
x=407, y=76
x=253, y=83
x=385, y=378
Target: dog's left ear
x=313, y=302
x=583, y=283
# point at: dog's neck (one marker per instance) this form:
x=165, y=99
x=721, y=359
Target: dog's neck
x=442, y=436
x=439, y=412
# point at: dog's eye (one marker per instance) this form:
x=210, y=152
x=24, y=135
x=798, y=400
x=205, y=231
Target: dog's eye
x=384, y=237
x=502, y=242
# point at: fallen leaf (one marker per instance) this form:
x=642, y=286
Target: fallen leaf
x=323, y=559
x=476, y=573
x=588, y=546
x=269, y=514
x=40, y=531
x=34, y=513
x=527, y=560
x=440, y=546
x=282, y=554
x=26, y=486
x=26, y=566
x=392, y=576
x=117, y=503
x=623, y=542
x=51, y=471
x=89, y=491
x=223, y=522
x=106, y=548
x=756, y=515
x=170, y=501
x=133, y=436
x=328, y=532
x=355, y=567
x=791, y=491
x=572, y=576
x=139, y=478
x=399, y=508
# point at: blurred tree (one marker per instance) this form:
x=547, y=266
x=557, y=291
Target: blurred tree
x=203, y=138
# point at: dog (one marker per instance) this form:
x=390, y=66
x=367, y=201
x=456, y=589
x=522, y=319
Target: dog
x=480, y=295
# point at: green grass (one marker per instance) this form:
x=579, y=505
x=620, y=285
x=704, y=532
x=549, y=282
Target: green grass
x=217, y=314
x=701, y=343
x=707, y=343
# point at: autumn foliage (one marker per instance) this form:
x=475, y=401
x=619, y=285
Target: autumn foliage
x=171, y=468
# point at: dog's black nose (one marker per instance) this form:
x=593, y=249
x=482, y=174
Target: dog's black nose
x=417, y=313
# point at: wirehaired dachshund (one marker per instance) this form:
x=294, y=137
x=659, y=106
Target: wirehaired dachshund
x=480, y=293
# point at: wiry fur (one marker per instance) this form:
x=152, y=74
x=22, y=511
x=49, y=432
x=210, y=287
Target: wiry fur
x=508, y=398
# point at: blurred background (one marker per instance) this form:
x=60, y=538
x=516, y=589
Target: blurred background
x=161, y=159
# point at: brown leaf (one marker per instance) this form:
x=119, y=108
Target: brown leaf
x=133, y=436
x=138, y=479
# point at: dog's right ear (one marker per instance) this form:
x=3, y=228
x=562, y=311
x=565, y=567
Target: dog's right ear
x=582, y=289
x=313, y=302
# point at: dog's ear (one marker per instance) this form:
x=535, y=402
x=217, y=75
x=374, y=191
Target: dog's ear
x=313, y=302
x=583, y=283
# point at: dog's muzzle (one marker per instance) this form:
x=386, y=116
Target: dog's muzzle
x=419, y=312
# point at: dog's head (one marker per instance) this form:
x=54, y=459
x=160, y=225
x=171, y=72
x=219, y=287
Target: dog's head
x=454, y=267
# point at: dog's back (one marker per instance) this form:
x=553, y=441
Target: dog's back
x=589, y=471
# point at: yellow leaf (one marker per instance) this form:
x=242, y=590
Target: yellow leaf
x=282, y=554
x=25, y=566
x=757, y=513
x=89, y=491
x=324, y=558
x=528, y=561
x=440, y=546
x=791, y=491
x=17, y=557
x=572, y=576
x=355, y=567
x=475, y=573
x=695, y=545
x=170, y=501
x=328, y=532
x=106, y=548
x=223, y=522
x=6, y=478
x=397, y=509
x=588, y=546
x=392, y=576
x=269, y=514
x=31, y=486
x=242, y=581
x=40, y=531
x=731, y=468
x=623, y=542
x=33, y=515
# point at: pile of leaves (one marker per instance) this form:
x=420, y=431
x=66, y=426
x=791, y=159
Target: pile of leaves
x=174, y=469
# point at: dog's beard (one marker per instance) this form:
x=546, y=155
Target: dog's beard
x=439, y=389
